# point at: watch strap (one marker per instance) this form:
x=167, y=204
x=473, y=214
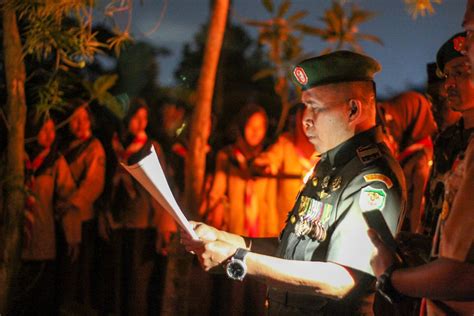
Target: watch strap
x=240, y=254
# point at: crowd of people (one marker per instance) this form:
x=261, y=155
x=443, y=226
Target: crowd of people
x=287, y=218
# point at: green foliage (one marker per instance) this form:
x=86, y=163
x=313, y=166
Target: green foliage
x=342, y=27
x=59, y=41
x=99, y=90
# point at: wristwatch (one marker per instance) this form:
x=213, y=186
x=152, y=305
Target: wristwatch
x=236, y=268
x=385, y=287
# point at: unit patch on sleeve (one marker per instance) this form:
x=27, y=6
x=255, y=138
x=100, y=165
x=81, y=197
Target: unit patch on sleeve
x=372, y=198
x=380, y=178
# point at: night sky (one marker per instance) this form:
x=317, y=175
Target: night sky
x=408, y=44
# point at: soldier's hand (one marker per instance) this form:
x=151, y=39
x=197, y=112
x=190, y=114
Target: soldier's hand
x=214, y=253
x=205, y=233
x=383, y=257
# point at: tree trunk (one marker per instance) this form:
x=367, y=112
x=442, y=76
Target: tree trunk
x=176, y=290
x=13, y=204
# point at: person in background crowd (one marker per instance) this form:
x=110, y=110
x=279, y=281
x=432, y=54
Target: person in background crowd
x=410, y=126
x=136, y=226
x=320, y=264
x=451, y=275
x=240, y=200
x=243, y=201
x=49, y=185
x=86, y=158
x=169, y=129
x=289, y=160
x=446, y=120
x=442, y=113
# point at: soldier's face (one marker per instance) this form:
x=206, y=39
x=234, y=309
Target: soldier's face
x=325, y=120
x=459, y=87
x=80, y=124
x=138, y=122
x=47, y=134
x=255, y=129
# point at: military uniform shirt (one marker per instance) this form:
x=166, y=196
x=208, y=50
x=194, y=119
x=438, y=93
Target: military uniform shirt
x=326, y=223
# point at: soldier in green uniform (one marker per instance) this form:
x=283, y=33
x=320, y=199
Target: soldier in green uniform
x=320, y=264
x=450, y=274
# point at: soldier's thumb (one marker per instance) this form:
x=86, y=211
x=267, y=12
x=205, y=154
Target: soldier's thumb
x=375, y=238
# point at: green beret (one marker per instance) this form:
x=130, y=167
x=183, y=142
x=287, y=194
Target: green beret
x=340, y=66
x=453, y=48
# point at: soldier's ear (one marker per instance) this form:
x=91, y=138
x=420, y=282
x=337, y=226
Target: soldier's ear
x=355, y=109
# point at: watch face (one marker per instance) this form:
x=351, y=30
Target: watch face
x=236, y=269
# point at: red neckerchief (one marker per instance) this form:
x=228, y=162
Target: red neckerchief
x=124, y=153
x=425, y=143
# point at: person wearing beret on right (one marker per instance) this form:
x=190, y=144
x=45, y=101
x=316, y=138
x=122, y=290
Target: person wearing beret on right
x=446, y=282
x=320, y=264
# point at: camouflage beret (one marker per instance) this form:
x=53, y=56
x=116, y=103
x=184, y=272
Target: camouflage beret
x=339, y=66
x=455, y=47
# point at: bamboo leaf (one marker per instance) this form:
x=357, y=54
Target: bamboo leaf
x=284, y=7
x=297, y=16
x=370, y=37
x=104, y=83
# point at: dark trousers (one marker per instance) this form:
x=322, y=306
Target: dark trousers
x=77, y=280
x=34, y=292
x=130, y=276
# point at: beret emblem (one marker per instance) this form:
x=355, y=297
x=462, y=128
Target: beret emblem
x=459, y=43
x=300, y=75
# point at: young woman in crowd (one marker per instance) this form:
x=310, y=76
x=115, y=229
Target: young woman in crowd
x=48, y=184
x=135, y=226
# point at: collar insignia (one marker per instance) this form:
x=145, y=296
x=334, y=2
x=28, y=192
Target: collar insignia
x=368, y=154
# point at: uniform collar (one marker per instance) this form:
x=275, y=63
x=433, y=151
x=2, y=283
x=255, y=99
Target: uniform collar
x=344, y=152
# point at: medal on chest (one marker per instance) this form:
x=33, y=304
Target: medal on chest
x=312, y=218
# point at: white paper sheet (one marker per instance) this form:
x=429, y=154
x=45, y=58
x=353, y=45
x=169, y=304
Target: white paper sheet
x=148, y=172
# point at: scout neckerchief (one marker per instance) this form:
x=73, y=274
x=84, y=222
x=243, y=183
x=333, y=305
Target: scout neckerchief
x=425, y=144
x=124, y=186
x=242, y=156
x=123, y=155
x=33, y=168
x=71, y=154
